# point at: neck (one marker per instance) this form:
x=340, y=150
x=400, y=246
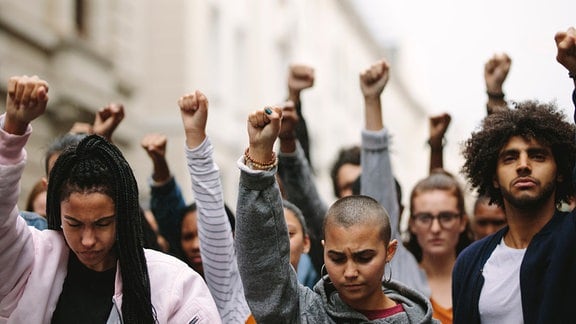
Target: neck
x=438, y=266
x=524, y=224
x=377, y=302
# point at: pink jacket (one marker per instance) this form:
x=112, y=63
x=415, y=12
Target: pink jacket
x=33, y=264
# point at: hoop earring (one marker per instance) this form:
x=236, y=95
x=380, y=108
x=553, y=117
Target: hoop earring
x=387, y=280
x=324, y=273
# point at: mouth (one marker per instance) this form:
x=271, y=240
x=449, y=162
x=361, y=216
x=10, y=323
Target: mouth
x=353, y=287
x=89, y=254
x=524, y=182
x=436, y=241
x=195, y=259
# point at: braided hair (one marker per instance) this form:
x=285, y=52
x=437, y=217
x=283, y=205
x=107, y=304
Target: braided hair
x=96, y=166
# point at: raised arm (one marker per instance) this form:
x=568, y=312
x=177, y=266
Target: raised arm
x=377, y=180
x=438, y=127
x=216, y=238
x=26, y=100
x=166, y=198
x=296, y=175
x=495, y=73
x=270, y=283
x=105, y=123
x=298, y=183
x=566, y=55
x=107, y=120
x=300, y=78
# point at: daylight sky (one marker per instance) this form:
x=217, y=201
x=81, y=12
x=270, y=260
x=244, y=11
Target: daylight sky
x=442, y=46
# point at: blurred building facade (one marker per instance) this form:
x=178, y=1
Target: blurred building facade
x=146, y=54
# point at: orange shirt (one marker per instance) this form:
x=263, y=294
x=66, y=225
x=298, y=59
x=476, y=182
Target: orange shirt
x=440, y=313
x=251, y=320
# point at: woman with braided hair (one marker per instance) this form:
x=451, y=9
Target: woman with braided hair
x=93, y=212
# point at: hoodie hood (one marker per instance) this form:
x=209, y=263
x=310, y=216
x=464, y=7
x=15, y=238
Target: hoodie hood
x=417, y=308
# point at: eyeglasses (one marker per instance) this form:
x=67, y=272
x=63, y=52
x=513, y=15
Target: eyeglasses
x=446, y=219
x=493, y=222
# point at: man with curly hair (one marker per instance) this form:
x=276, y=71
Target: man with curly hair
x=522, y=159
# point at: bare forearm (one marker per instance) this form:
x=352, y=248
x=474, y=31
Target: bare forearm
x=436, y=157
x=373, y=114
x=161, y=170
x=288, y=145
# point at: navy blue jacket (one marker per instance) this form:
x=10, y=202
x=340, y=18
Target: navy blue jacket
x=547, y=274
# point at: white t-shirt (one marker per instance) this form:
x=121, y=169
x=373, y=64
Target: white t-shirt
x=500, y=299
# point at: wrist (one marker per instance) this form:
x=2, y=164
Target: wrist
x=287, y=136
x=255, y=161
x=294, y=95
x=437, y=144
x=372, y=98
x=495, y=95
x=195, y=138
x=288, y=146
x=14, y=127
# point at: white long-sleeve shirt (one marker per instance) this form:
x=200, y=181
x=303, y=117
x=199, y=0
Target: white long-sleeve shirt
x=216, y=239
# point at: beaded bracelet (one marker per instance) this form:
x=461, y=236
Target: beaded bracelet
x=253, y=164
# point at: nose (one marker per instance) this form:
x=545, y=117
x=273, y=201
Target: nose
x=350, y=272
x=195, y=244
x=435, y=226
x=88, y=238
x=523, y=166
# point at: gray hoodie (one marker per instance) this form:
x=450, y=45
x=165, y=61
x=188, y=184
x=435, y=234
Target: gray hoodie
x=377, y=182
x=270, y=283
x=417, y=308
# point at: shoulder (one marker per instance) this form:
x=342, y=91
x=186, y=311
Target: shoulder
x=160, y=262
x=162, y=266
x=178, y=292
x=417, y=307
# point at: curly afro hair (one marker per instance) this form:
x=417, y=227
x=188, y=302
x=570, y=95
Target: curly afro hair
x=530, y=120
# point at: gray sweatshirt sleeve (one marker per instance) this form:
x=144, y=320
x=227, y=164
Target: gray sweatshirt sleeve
x=300, y=189
x=270, y=282
x=216, y=240
x=378, y=182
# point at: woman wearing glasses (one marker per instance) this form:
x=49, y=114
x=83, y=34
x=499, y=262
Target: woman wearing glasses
x=438, y=232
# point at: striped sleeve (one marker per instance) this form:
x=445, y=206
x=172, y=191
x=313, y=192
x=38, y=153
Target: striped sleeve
x=216, y=239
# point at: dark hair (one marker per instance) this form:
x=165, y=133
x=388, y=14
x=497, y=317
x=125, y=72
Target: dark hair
x=58, y=145
x=36, y=190
x=480, y=200
x=298, y=213
x=149, y=236
x=359, y=209
x=95, y=165
x=177, y=251
x=192, y=208
x=439, y=180
x=529, y=120
x=349, y=155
